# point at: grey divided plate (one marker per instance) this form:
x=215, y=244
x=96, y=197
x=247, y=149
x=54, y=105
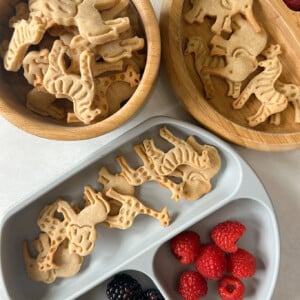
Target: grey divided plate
x=143, y=249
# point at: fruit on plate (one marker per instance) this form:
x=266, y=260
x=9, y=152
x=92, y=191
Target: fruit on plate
x=218, y=259
x=241, y=264
x=231, y=288
x=226, y=234
x=211, y=262
x=185, y=246
x=192, y=286
x=124, y=286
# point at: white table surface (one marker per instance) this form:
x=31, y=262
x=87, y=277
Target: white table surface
x=29, y=163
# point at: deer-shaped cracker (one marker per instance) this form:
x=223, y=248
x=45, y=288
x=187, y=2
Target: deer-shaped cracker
x=129, y=208
x=78, y=228
x=263, y=87
x=181, y=154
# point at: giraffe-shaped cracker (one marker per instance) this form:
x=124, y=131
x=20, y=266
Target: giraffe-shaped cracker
x=181, y=154
x=42, y=246
x=67, y=264
x=129, y=209
x=147, y=172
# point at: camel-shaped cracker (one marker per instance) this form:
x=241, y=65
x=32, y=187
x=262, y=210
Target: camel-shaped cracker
x=292, y=93
x=203, y=60
x=129, y=209
x=263, y=87
x=223, y=11
x=67, y=264
x=181, y=154
x=78, y=228
x=44, y=14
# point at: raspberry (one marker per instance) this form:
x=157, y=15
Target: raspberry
x=185, y=246
x=231, y=288
x=211, y=262
x=226, y=234
x=293, y=4
x=241, y=264
x=192, y=286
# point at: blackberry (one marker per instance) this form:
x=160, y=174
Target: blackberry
x=153, y=294
x=124, y=287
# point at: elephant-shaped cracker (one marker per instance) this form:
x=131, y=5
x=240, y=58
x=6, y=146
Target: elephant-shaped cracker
x=223, y=11
x=263, y=87
x=78, y=228
x=129, y=208
x=67, y=264
x=196, y=183
x=84, y=14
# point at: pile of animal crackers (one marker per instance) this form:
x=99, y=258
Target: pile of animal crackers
x=236, y=50
x=68, y=231
x=88, y=53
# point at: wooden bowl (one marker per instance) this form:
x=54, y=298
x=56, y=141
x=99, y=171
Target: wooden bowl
x=13, y=87
x=217, y=114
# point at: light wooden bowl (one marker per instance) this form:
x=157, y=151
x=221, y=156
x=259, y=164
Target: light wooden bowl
x=217, y=114
x=13, y=88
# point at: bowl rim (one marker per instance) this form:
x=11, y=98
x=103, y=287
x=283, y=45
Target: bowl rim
x=37, y=126
x=189, y=96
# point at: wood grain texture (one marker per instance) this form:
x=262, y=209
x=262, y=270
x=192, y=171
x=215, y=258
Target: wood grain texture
x=13, y=88
x=217, y=114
